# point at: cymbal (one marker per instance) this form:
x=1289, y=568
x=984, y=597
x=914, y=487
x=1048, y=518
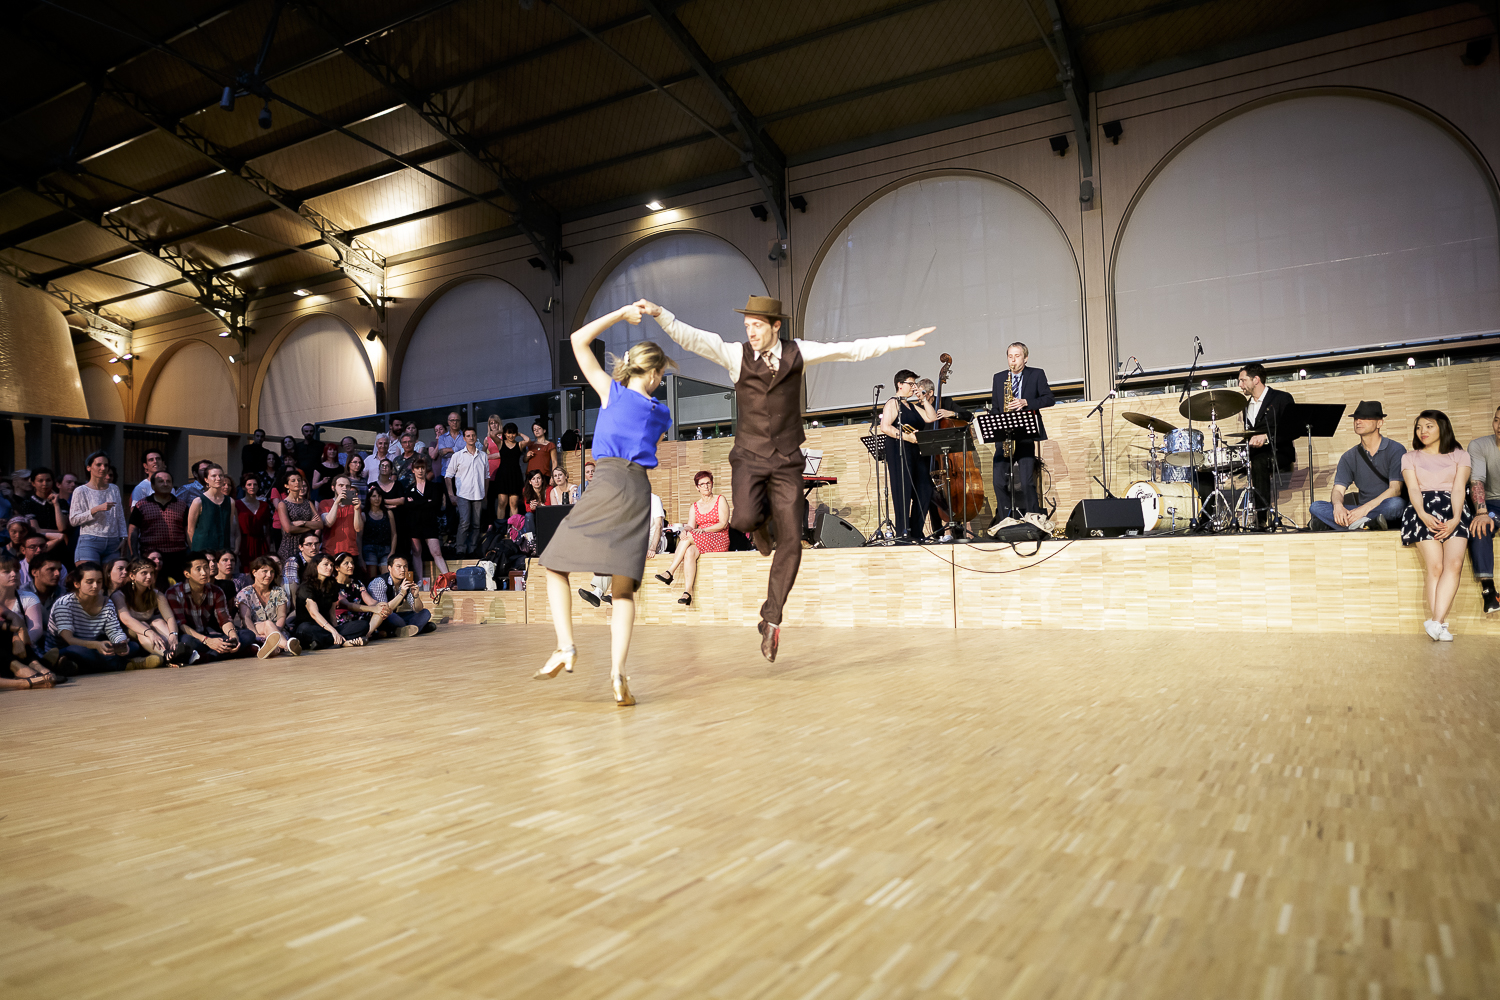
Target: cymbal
x=1238, y=434
x=1213, y=404
x=1150, y=423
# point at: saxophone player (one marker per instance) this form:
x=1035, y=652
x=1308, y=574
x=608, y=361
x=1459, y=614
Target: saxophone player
x=1019, y=387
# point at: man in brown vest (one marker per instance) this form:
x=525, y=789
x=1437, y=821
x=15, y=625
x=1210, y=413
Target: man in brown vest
x=767, y=455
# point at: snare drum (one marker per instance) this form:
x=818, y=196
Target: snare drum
x=1228, y=458
x=1165, y=506
x=1177, y=442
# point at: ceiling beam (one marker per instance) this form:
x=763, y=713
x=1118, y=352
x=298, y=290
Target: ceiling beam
x=538, y=220
x=762, y=157
x=110, y=330
x=1075, y=92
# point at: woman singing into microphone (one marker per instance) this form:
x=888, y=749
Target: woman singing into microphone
x=607, y=531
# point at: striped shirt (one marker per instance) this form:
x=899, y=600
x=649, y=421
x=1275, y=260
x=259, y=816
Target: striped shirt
x=67, y=614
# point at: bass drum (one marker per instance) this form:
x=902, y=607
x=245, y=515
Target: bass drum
x=1165, y=506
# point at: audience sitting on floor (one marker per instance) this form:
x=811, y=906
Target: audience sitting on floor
x=203, y=615
x=85, y=631
x=24, y=605
x=24, y=669
x=263, y=607
x=147, y=617
x=398, y=590
x=355, y=602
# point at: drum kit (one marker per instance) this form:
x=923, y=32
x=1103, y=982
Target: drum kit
x=1169, y=499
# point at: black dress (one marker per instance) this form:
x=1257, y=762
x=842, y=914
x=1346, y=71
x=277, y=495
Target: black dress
x=911, y=475
x=420, y=512
x=510, y=477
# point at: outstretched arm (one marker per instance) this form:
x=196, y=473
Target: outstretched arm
x=585, y=335
x=815, y=352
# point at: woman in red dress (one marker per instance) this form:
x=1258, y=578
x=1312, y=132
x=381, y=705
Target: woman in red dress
x=708, y=531
x=254, y=513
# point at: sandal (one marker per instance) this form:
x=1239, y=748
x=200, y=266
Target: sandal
x=665, y=578
x=358, y=641
x=686, y=599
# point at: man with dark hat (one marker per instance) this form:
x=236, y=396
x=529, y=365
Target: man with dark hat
x=1374, y=467
x=766, y=459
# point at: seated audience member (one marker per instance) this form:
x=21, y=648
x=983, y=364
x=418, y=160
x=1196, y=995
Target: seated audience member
x=98, y=513
x=253, y=516
x=262, y=608
x=379, y=537
x=1436, y=471
x=147, y=616
x=151, y=463
x=116, y=572
x=87, y=633
x=16, y=529
x=399, y=591
x=211, y=524
x=561, y=491
x=203, y=616
x=295, y=569
x=533, y=495
x=343, y=517
x=23, y=604
x=223, y=573
x=424, y=500
x=253, y=455
x=197, y=485
x=159, y=522
x=466, y=478
x=708, y=531
x=46, y=508
x=32, y=546
x=317, y=598
x=324, y=473
x=45, y=572
x=1484, y=491
x=355, y=602
x=23, y=669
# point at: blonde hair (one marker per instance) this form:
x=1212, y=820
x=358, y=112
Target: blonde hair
x=642, y=359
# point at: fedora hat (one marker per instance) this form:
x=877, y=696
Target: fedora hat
x=1368, y=409
x=763, y=305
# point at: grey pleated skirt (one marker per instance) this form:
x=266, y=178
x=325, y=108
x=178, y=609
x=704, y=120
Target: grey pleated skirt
x=606, y=531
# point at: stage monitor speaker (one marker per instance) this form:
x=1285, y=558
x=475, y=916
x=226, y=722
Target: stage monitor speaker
x=1111, y=518
x=833, y=532
x=548, y=518
x=568, y=372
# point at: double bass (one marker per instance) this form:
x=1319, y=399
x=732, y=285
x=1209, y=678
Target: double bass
x=960, y=495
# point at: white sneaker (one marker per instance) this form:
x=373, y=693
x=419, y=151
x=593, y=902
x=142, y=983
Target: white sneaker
x=1434, y=629
x=1443, y=634
x=1358, y=522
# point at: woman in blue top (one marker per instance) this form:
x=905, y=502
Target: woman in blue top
x=607, y=531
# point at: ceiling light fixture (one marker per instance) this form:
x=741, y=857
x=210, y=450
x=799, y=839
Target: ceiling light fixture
x=654, y=205
x=231, y=359
x=301, y=293
x=223, y=333
x=126, y=357
x=117, y=379
x=372, y=335
x=226, y=100
x=114, y=361
x=265, y=115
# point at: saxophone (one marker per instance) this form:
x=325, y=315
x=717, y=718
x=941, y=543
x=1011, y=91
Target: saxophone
x=1008, y=446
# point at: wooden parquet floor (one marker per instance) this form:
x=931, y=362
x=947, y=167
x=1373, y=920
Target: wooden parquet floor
x=884, y=814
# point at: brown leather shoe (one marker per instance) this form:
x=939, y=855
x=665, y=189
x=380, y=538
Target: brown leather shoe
x=762, y=539
x=770, y=640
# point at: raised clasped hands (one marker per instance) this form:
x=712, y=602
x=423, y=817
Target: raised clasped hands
x=631, y=314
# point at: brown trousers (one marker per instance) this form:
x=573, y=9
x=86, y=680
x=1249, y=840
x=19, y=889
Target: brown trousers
x=769, y=488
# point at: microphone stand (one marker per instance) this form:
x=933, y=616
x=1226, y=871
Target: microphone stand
x=886, y=529
x=1103, y=459
x=1187, y=388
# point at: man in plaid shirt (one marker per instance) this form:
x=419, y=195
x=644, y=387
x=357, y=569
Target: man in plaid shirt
x=203, y=618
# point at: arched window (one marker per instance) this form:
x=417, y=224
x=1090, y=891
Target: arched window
x=194, y=390
x=320, y=372
x=102, y=394
x=1310, y=224
x=480, y=340
x=701, y=278
x=978, y=258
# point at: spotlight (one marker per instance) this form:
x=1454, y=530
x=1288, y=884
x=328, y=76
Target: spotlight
x=114, y=361
x=798, y=202
x=654, y=205
x=1113, y=131
x=117, y=379
x=301, y=293
x=1476, y=52
x=537, y=263
x=265, y=115
x=1059, y=144
x=223, y=333
x=1302, y=374
x=372, y=335
x=1203, y=384
x=759, y=211
x=1411, y=362
x=231, y=359
x=126, y=357
x=227, y=100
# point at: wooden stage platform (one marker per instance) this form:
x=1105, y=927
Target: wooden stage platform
x=937, y=813
x=1351, y=583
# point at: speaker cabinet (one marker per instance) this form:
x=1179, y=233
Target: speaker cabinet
x=548, y=518
x=833, y=532
x=1110, y=518
x=568, y=372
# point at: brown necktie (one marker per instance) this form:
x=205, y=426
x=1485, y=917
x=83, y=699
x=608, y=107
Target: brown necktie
x=772, y=362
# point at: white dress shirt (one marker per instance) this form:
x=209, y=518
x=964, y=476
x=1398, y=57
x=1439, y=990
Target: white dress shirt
x=1253, y=410
x=468, y=470
x=716, y=349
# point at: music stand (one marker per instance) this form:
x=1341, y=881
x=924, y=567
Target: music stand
x=1009, y=426
x=940, y=442
x=885, y=531
x=1317, y=420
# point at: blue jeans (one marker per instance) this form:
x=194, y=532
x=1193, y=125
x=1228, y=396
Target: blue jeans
x=417, y=618
x=96, y=548
x=1390, y=508
x=470, y=514
x=376, y=555
x=1482, y=553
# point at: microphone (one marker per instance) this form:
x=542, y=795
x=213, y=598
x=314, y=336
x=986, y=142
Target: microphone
x=1198, y=345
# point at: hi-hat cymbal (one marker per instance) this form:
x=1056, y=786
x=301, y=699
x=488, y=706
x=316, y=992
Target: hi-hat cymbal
x=1238, y=434
x=1213, y=404
x=1150, y=423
